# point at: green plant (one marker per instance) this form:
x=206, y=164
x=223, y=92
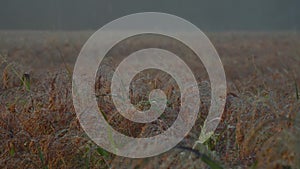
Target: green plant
x=42, y=158
x=26, y=81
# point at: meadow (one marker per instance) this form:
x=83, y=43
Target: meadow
x=260, y=126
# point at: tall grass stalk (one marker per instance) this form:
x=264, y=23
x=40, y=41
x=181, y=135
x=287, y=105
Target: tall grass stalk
x=297, y=90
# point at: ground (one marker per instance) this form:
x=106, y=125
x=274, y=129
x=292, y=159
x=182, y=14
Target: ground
x=259, y=127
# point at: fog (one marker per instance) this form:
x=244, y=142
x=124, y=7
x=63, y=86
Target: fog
x=209, y=15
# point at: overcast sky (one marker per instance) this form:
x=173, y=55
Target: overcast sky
x=206, y=14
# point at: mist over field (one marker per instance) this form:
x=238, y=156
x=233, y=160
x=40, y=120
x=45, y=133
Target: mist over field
x=258, y=44
x=208, y=15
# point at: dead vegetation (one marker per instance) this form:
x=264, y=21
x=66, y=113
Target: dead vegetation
x=39, y=128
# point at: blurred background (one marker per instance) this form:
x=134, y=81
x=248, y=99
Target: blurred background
x=208, y=15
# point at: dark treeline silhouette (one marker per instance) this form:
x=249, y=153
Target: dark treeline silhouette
x=207, y=14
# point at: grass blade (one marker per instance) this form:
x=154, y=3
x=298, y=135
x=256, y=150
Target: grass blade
x=297, y=91
x=212, y=164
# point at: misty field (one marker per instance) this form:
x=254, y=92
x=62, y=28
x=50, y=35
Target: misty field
x=260, y=126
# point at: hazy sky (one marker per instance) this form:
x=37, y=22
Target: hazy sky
x=206, y=14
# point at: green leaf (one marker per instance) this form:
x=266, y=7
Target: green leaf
x=41, y=156
x=212, y=164
x=12, y=151
x=102, y=152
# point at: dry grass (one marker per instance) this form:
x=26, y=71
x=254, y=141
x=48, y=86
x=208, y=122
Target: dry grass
x=39, y=129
